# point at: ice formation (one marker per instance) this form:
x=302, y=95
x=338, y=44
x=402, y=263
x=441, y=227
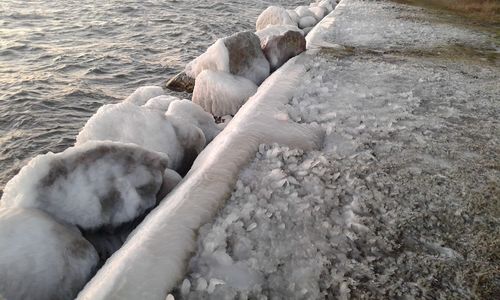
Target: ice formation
x=280, y=43
x=273, y=15
x=141, y=95
x=221, y=93
x=304, y=11
x=160, y=102
x=293, y=15
x=307, y=21
x=93, y=185
x=238, y=54
x=319, y=12
x=41, y=259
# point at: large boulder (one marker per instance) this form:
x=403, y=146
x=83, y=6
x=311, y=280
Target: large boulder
x=273, y=15
x=40, y=258
x=91, y=186
x=280, y=43
x=221, y=93
x=141, y=95
x=181, y=83
x=239, y=54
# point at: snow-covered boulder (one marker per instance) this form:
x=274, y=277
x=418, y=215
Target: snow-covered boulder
x=40, y=258
x=160, y=102
x=319, y=12
x=304, y=11
x=294, y=16
x=141, y=95
x=327, y=4
x=183, y=111
x=273, y=15
x=280, y=43
x=94, y=185
x=238, y=54
x=181, y=83
x=307, y=21
x=221, y=93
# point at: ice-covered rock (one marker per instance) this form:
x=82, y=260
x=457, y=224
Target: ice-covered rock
x=96, y=184
x=280, y=43
x=221, y=93
x=327, y=4
x=141, y=95
x=294, y=16
x=273, y=15
x=160, y=102
x=304, y=11
x=307, y=21
x=40, y=258
x=181, y=83
x=183, y=111
x=307, y=30
x=319, y=12
x=238, y=54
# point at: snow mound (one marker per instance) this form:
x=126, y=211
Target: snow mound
x=41, y=259
x=160, y=102
x=141, y=95
x=273, y=15
x=96, y=184
x=221, y=93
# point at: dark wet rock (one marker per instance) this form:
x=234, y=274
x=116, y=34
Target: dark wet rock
x=181, y=83
x=280, y=43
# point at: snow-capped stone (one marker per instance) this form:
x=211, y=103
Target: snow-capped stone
x=327, y=4
x=96, y=184
x=294, y=16
x=221, y=93
x=181, y=83
x=160, y=103
x=307, y=21
x=238, y=54
x=273, y=15
x=141, y=95
x=319, y=12
x=303, y=11
x=40, y=258
x=280, y=43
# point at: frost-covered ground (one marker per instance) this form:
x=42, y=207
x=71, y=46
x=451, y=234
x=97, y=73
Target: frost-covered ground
x=403, y=200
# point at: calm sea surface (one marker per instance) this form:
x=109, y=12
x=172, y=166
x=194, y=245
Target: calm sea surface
x=60, y=60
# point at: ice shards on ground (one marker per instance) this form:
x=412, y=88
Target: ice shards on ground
x=273, y=15
x=40, y=258
x=96, y=184
x=221, y=93
x=141, y=95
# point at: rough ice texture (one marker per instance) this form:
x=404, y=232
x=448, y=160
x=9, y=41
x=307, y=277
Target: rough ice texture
x=274, y=15
x=41, y=259
x=221, y=93
x=160, y=103
x=293, y=15
x=304, y=11
x=280, y=43
x=319, y=12
x=399, y=202
x=141, y=95
x=159, y=248
x=384, y=25
x=93, y=185
x=238, y=54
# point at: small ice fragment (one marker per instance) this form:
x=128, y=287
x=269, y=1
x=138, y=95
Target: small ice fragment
x=170, y=297
x=202, y=284
x=252, y=226
x=186, y=287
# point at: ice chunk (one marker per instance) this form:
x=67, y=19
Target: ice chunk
x=160, y=102
x=40, y=258
x=141, y=95
x=273, y=15
x=94, y=185
x=294, y=16
x=215, y=58
x=319, y=12
x=304, y=11
x=221, y=93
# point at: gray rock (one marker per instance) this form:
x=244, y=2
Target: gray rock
x=246, y=58
x=181, y=83
x=279, y=44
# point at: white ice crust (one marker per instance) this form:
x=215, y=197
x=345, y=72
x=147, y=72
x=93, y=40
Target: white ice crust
x=159, y=247
x=41, y=259
x=216, y=58
x=141, y=95
x=274, y=15
x=221, y=93
x=160, y=103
